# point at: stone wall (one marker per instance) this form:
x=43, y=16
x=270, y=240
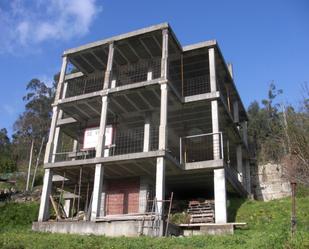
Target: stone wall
x=268, y=183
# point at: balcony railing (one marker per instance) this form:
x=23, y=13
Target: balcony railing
x=124, y=142
x=140, y=71
x=83, y=85
x=201, y=147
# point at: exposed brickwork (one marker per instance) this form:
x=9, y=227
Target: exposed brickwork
x=122, y=196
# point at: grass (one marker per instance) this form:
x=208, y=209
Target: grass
x=268, y=227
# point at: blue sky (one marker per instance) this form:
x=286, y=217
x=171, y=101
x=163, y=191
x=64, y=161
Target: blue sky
x=265, y=40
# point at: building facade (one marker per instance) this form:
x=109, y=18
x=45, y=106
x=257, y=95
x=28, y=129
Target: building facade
x=136, y=117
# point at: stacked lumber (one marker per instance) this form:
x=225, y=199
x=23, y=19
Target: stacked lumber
x=201, y=211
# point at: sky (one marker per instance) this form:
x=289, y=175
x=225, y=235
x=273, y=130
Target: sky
x=265, y=40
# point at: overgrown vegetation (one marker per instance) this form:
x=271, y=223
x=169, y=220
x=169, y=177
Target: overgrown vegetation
x=268, y=227
x=279, y=133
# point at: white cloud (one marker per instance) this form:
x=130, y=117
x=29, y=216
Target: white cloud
x=25, y=23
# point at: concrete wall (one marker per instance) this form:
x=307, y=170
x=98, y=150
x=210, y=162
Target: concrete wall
x=115, y=228
x=268, y=182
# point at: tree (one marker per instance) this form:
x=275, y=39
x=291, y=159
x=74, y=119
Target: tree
x=7, y=161
x=265, y=128
x=296, y=139
x=33, y=123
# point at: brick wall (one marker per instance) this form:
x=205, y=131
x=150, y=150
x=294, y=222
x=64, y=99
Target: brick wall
x=122, y=196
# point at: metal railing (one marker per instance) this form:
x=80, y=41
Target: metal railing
x=196, y=85
x=140, y=71
x=83, y=85
x=201, y=147
x=124, y=142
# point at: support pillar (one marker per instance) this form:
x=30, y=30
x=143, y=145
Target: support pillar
x=214, y=105
x=160, y=167
x=146, y=146
x=46, y=192
x=143, y=190
x=239, y=162
x=50, y=147
x=244, y=126
x=109, y=65
x=220, y=196
x=160, y=184
x=99, y=168
x=236, y=111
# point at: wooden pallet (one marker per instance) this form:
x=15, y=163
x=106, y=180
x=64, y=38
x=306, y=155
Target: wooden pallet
x=201, y=212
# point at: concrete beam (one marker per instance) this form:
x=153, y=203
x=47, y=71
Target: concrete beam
x=201, y=97
x=204, y=44
x=106, y=160
x=117, y=38
x=204, y=165
x=73, y=76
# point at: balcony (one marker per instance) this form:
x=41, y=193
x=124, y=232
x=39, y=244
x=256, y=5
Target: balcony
x=123, y=141
x=85, y=84
x=201, y=147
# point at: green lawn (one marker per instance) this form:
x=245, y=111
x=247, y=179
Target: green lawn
x=268, y=227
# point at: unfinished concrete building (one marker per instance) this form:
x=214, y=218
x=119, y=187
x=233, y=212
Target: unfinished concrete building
x=140, y=117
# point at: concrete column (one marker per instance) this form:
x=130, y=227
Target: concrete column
x=99, y=168
x=212, y=70
x=244, y=126
x=59, y=89
x=67, y=207
x=101, y=138
x=147, y=134
x=149, y=74
x=109, y=66
x=103, y=196
x=46, y=192
x=239, y=162
x=163, y=117
x=143, y=190
x=220, y=196
x=52, y=130
x=215, y=129
x=97, y=191
x=236, y=111
x=214, y=104
x=164, y=60
x=56, y=111
x=230, y=68
x=248, y=176
x=160, y=183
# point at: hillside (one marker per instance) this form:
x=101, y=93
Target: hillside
x=268, y=227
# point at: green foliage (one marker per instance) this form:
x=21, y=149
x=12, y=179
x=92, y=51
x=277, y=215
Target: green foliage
x=15, y=216
x=34, y=122
x=265, y=130
x=7, y=161
x=268, y=227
